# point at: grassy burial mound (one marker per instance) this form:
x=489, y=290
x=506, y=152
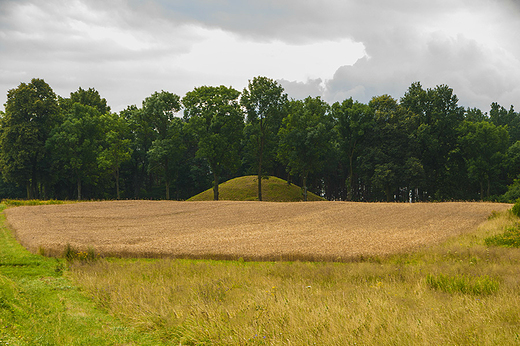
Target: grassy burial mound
x=249, y=230
x=246, y=188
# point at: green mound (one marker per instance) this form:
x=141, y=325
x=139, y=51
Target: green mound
x=245, y=189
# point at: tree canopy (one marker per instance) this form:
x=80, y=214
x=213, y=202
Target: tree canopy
x=422, y=147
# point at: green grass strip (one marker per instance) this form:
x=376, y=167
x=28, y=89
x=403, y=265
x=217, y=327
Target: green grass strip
x=40, y=306
x=464, y=284
x=510, y=238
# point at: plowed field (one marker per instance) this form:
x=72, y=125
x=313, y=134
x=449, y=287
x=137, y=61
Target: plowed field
x=252, y=230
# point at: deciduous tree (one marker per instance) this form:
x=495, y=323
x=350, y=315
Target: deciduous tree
x=77, y=142
x=353, y=120
x=115, y=147
x=215, y=118
x=484, y=146
x=305, y=138
x=31, y=112
x=264, y=101
x=160, y=110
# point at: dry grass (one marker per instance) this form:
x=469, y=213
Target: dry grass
x=249, y=230
x=451, y=294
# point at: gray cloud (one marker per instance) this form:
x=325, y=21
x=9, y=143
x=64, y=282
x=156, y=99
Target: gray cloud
x=479, y=75
x=128, y=48
x=300, y=90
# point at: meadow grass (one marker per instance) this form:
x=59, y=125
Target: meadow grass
x=39, y=304
x=22, y=202
x=461, y=292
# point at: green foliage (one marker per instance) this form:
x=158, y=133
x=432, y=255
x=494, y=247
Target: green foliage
x=216, y=120
x=18, y=202
x=435, y=117
x=305, y=138
x=510, y=238
x=160, y=109
x=512, y=193
x=423, y=147
x=484, y=146
x=353, y=121
x=264, y=101
x=90, y=97
x=516, y=208
x=70, y=255
x=116, y=146
x=31, y=112
x=388, y=160
x=499, y=116
x=464, y=284
x=166, y=151
x=76, y=144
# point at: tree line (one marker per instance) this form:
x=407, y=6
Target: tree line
x=422, y=147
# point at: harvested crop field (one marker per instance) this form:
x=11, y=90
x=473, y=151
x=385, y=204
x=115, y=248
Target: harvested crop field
x=251, y=230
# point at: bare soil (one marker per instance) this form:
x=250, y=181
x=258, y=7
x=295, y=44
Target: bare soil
x=251, y=230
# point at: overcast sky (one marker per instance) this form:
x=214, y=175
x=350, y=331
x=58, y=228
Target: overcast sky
x=127, y=49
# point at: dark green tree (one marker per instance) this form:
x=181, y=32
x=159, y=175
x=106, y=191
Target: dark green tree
x=90, y=97
x=77, y=143
x=353, y=120
x=501, y=117
x=31, y=112
x=115, y=146
x=386, y=156
x=435, y=136
x=305, y=138
x=142, y=135
x=475, y=115
x=215, y=118
x=264, y=101
x=166, y=154
x=484, y=147
x=160, y=110
x=513, y=161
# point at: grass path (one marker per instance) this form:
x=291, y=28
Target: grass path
x=40, y=306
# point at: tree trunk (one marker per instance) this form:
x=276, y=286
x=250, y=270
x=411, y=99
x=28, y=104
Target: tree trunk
x=34, y=185
x=388, y=193
x=259, y=185
x=79, y=188
x=28, y=186
x=166, y=181
x=350, y=179
x=117, y=183
x=215, y=186
x=260, y=180
x=260, y=159
x=305, y=187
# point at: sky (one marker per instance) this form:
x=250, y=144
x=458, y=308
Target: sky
x=336, y=49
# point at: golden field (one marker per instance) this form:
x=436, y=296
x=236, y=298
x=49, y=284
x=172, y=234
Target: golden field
x=250, y=230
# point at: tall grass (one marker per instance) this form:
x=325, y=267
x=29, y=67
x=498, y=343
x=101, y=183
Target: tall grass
x=39, y=305
x=461, y=293
x=22, y=202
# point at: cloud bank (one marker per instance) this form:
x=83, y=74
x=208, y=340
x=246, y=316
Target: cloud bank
x=127, y=49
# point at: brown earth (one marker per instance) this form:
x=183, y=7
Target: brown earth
x=251, y=230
